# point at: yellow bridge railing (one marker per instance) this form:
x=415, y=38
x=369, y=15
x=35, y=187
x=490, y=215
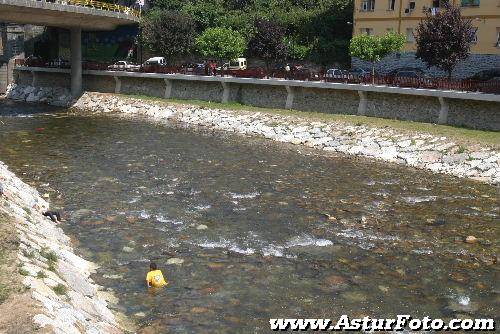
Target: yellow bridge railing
x=104, y=6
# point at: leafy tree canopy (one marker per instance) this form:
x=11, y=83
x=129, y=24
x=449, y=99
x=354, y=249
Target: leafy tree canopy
x=221, y=43
x=374, y=48
x=168, y=33
x=444, y=39
x=268, y=42
x=316, y=25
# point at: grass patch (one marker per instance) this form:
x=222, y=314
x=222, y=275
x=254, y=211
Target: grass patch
x=51, y=256
x=24, y=272
x=4, y=292
x=461, y=149
x=41, y=275
x=28, y=254
x=461, y=135
x=60, y=289
x=52, y=267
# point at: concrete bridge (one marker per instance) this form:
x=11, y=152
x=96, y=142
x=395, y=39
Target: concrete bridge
x=75, y=15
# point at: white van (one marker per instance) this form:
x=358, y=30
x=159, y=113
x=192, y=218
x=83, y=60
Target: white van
x=159, y=61
x=237, y=64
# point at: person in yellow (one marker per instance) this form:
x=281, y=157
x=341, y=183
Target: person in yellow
x=154, y=278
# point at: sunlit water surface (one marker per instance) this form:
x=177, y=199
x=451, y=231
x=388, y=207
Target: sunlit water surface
x=264, y=231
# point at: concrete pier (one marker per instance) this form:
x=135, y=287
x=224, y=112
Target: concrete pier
x=76, y=61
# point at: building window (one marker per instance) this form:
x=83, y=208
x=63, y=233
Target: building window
x=392, y=4
x=475, y=38
x=409, y=35
x=498, y=38
x=410, y=8
x=471, y=3
x=367, y=5
x=366, y=31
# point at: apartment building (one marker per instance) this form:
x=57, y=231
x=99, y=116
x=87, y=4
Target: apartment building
x=403, y=16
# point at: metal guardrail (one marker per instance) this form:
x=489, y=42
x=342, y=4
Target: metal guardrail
x=99, y=5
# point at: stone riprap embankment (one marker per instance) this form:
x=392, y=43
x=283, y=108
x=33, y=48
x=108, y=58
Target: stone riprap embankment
x=56, y=96
x=423, y=151
x=59, y=280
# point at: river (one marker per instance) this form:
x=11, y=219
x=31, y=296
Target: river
x=263, y=230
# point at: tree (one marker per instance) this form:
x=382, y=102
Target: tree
x=206, y=14
x=167, y=4
x=168, y=33
x=268, y=42
x=320, y=25
x=296, y=50
x=221, y=43
x=444, y=39
x=374, y=48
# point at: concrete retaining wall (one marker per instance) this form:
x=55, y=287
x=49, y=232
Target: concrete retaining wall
x=405, y=107
x=473, y=110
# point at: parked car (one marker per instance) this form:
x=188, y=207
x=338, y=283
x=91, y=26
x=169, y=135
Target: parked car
x=405, y=69
x=59, y=62
x=236, y=64
x=360, y=73
x=194, y=68
x=34, y=61
x=154, y=64
x=160, y=61
x=123, y=65
x=336, y=74
x=486, y=75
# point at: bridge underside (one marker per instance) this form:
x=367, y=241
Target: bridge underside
x=75, y=18
x=63, y=16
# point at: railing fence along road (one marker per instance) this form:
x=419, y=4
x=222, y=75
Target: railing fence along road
x=467, y=85
x=98, y=5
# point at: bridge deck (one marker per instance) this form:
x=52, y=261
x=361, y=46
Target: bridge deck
x=63, y=15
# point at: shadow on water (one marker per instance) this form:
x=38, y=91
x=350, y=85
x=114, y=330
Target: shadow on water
x=247, y=229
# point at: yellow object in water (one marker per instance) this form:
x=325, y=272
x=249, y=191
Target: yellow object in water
x=155, y=279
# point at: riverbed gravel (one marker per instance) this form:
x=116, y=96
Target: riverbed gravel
x=419, y=150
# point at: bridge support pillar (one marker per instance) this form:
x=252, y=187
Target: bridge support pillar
x=34, y=78
x=76, y=62
x=289, y=97
x=118, y=85
x=363, y=102
x=168, y=88
x=226, y=92
x=443, y=112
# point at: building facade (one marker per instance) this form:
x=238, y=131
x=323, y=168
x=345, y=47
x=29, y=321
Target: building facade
x=378, y=17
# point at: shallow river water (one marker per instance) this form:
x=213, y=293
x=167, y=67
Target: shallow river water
x=263, y=230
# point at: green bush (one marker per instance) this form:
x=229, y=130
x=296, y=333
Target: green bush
x=374, y=48
x=23, y=272
x=60, y=289
x=221, y=43
x=51, y=256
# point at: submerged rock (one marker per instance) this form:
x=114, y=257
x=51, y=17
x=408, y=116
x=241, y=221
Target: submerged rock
x=175, y=261
x=471, y=239
x=354, y=296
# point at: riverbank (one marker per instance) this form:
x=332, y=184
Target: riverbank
x=41, y=264
x=439, y=154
